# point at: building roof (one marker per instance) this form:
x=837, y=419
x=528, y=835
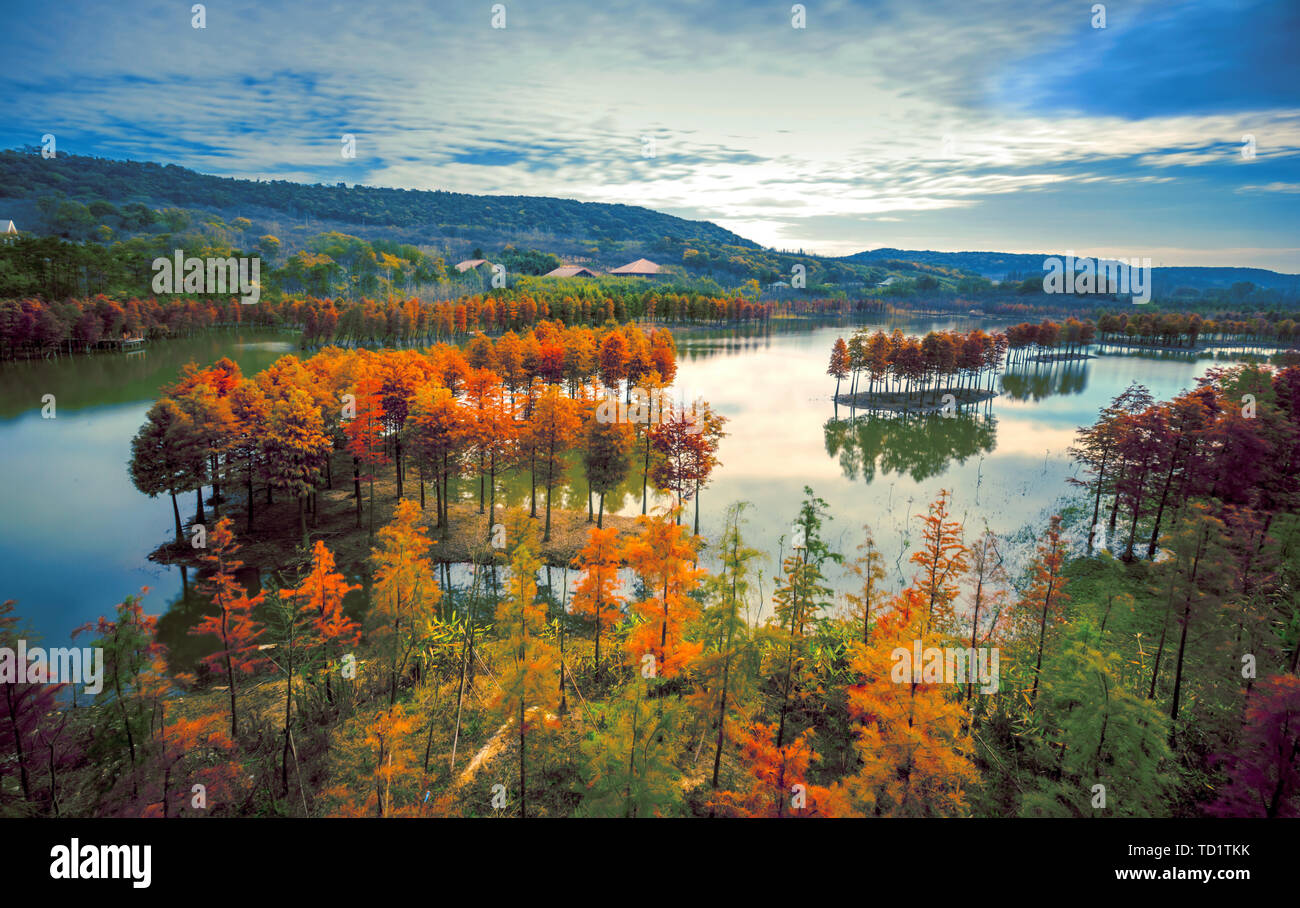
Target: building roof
x=640, y=266
x=471, y=263
x=7, y=226
x=570, y=271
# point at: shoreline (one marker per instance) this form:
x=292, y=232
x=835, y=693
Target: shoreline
x=928, y=401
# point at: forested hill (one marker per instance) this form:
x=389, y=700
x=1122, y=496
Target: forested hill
x=119, y=203
x=26, y=175
x=1002, y=265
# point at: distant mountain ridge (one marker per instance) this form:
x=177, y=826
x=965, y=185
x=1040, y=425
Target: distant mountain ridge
x=997, y=265
x=26, y=175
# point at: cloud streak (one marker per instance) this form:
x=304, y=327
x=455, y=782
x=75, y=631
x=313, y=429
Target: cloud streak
x=964, y=124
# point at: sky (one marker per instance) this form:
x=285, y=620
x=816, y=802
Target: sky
x=915, y=124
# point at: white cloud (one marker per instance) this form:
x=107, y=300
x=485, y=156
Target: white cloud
x=877, y=113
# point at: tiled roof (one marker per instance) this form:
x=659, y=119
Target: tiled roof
x=640, y=266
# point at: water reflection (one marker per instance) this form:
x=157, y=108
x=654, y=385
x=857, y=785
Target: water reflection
x=919, y=445
x=190, y=605
x=77, y=532
x=1035, y=381
x=469, y=591
x=183, y=611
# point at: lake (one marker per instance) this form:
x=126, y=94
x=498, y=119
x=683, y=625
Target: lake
x=75, y=533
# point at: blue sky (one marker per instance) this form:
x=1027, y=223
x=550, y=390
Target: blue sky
x=953, y=124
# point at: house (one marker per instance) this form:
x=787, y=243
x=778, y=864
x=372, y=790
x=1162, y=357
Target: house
x=462, y=267
x=570, y=271
x=639, y=268
x=8, y=230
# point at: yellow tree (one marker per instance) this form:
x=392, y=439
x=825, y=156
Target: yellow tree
x=912, y=740
x=249, y=408
x=405, y=594
x=200, y=395
x=393, y=744
x=661, y=553
x=554, y=425
x=400, y=374
x=527, y=690
x=596, y=596
x=439, y=432
x=294, y=448
x=489, y=431
x=386, y=752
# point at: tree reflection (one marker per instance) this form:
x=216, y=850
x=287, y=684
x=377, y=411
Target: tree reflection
x=1034, y=381
x=918, y=444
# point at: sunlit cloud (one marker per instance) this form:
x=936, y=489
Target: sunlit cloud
x=939, y=116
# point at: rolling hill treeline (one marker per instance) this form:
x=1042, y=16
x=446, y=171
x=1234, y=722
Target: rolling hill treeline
x=27, y=175
x=96, y=200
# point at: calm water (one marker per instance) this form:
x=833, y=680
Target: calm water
x=74, y=533
x=1005, y=463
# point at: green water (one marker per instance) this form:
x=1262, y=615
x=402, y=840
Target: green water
x=74, y=532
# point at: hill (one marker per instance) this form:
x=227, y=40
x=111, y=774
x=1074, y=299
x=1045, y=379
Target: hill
x=106, y=201
x=1019, y=266
x=141, y=209
x=436, y=214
